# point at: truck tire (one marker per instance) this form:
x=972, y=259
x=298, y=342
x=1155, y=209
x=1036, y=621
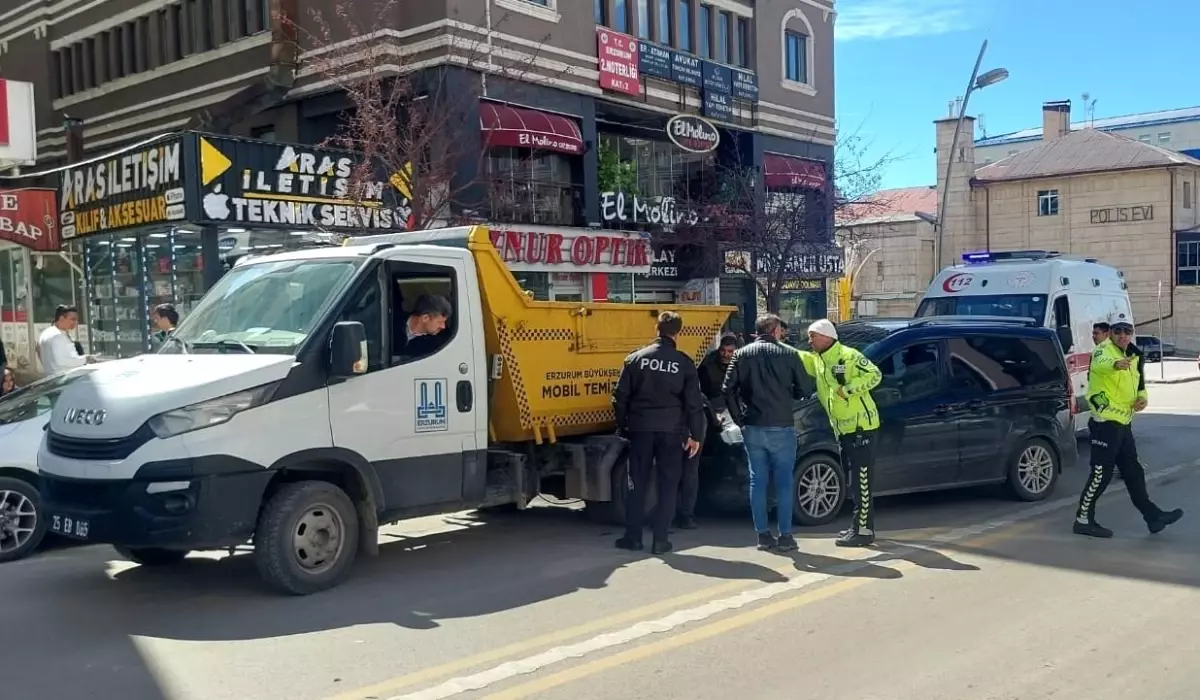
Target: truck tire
x=307, y=538
x=152, y=556
x=22, y=526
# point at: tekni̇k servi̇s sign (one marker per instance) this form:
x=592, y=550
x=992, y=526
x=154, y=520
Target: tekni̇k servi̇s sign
x=132, y=188
x=269, y=184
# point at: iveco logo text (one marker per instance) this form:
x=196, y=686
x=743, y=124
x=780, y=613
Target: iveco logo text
x=957, y=282
x=84, y=416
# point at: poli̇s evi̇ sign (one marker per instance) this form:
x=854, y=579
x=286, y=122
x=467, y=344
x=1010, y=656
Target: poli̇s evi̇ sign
x=266, y=184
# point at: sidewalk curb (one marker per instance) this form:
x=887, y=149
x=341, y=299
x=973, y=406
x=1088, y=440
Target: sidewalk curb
x=1181, y=380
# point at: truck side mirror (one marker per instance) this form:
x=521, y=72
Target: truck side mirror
x=1065, y=338
x=348, y=349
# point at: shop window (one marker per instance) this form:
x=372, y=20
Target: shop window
x=1187, y=260
x=796, y=46
x=600, y=11
x=1047, y=202
x=685, y=25
x=643, y=19
x=663, y=35
x=743, y=42
x=621, y=16
x=704, y=31
x=651, y=169
x=532, y=187
x=724, y=37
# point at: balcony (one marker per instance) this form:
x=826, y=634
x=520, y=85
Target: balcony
x=530, y=202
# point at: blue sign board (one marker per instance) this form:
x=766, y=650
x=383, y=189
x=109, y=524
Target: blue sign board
x=717, y=105
x=685, y=69
x=655, y=61
x=745, y=86
x=717, y=87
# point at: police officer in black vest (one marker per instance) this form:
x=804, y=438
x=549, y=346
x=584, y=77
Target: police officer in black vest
x=659, y=409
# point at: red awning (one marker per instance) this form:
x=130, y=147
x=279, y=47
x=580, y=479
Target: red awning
x=781, y=171
x=503, y=125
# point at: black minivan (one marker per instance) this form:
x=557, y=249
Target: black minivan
x=964, y=401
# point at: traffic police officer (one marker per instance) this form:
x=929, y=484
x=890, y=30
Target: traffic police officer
x=1115, y=393
x=845, y=379
x=659, y=409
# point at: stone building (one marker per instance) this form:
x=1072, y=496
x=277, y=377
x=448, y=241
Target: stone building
x=891, y=251
x=1085, y=192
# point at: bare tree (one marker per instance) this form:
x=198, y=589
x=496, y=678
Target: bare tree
x=774, y=235
x=412, y=105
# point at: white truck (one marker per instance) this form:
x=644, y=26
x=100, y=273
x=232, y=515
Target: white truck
x=1052, y=289
x=288, y=410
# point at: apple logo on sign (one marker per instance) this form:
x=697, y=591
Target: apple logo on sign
x=216, y=205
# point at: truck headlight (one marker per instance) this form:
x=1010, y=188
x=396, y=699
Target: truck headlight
x=206, y=414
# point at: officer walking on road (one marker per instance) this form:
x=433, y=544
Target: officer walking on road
x=767, y=379
x=845, y=379
x=659, y=409
x=1115, y=393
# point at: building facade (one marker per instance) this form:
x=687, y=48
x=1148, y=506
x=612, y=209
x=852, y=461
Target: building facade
x=890, y=243
x=1174, y=129
x=572, y=142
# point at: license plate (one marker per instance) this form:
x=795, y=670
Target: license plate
x=69, y=526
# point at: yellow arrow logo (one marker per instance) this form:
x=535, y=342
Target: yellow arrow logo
x=213, y=163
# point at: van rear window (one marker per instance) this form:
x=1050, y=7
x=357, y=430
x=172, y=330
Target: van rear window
x=1010, y=305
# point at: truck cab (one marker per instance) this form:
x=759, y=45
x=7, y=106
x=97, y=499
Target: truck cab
x=292, y=408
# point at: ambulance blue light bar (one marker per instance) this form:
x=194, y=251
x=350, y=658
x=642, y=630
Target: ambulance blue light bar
x=987, y=256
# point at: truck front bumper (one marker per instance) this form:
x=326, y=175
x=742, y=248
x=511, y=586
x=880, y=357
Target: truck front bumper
x=196, y=503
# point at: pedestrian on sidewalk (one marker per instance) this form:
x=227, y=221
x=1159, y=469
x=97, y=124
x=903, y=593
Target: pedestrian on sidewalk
x=1115, y=393
x=845, y=378
x=55, y=348
x=766, y=378
x=659, y=410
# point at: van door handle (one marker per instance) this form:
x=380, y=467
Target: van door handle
x=464, y=396
x=975, y=405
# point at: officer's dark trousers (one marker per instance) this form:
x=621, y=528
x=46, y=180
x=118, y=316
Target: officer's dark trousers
x=646, y=451
x=858, y=459
x=689, y=488
x=1113, y=447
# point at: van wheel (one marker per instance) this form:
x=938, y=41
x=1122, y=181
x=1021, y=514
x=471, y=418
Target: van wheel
x=1034, y=471
x=152, y=556
x=22, y=526
x=613, y=512
x=307, y=538
x=820, y=490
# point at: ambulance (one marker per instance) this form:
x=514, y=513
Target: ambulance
x=1054, y=290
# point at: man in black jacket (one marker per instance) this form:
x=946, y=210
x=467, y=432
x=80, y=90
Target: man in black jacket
x=767, y=378
x=712, y=375
x=658, y=408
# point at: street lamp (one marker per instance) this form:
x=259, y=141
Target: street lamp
x=977, y=82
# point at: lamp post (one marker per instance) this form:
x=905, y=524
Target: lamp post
x=977, y=82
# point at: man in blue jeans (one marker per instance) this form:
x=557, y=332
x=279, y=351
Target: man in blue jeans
x=766, y=378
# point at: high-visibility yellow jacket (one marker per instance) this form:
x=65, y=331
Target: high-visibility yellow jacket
x=1112, y=392
x=847, y=369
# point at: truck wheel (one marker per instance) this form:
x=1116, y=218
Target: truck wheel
x=820, y=490
x=152, y=556
x=1033, y=471
x=307, y=537
x=22, y=526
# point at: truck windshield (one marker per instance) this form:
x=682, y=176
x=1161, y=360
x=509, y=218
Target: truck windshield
x=1013, y=305
x=266, y=307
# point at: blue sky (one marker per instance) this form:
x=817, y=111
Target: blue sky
x=900, y=62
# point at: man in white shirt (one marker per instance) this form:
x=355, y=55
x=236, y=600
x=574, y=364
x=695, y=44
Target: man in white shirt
x=55, y=348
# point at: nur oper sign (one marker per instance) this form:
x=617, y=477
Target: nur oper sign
x=131, y=188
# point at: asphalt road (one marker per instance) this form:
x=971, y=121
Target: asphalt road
x=969, y=596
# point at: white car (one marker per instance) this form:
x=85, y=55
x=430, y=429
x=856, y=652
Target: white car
x=23, y=417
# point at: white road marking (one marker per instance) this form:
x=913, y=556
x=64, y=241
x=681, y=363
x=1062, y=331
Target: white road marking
x=609, y=640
